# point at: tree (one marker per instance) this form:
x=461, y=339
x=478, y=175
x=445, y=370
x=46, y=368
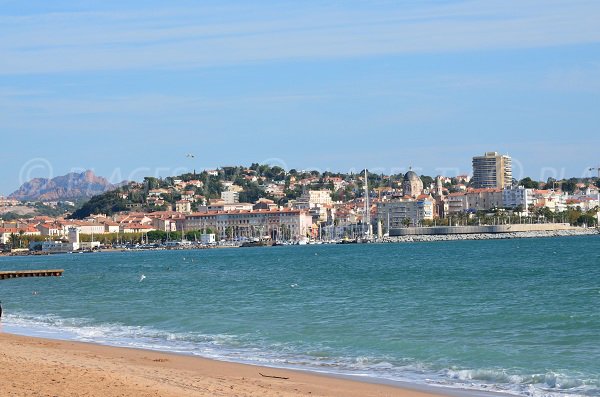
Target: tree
x=427, y=180
x=213, y=187
x=528, y=183
x=151, y=183
x=586, y=219
x=156, y=235
x=569, y=186
x=107, y=203
x=251, y=193
x=13, y=240
x=21, y=233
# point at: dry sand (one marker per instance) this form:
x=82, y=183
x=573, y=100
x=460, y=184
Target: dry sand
x=42, y=367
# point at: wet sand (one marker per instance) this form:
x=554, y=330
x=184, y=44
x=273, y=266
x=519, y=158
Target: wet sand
x=43, y=367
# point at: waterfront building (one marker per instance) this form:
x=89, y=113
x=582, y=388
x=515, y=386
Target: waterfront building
x=404, y=212
x=54, y=247
x=165, y=224
x=85, y=227
x=207, y=238
x=474, y=200
x=135, y=228
x=457, y=203
x=484, y=199
x=6, y=232
x=492, y=170
x=285, y=224
x=554, y=200
x=517, y=197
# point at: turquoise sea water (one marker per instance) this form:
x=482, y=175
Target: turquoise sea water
x=520, y=316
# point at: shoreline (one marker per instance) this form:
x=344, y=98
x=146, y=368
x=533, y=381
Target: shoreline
x=72, y=368
x=386, y=240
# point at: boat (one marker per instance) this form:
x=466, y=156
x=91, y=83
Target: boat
x=258, y=243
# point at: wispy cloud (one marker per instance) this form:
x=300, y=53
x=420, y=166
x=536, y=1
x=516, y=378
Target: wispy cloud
x=198, y=36
x=581, y=78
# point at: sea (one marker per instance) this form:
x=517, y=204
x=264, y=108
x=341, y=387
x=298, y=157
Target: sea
x=519, y=317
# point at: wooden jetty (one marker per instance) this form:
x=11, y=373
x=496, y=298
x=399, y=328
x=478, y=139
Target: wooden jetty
x=30, y=273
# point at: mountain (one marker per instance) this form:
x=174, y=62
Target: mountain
x=72, y=186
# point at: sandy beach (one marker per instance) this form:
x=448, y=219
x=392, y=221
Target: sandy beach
x=42, y=367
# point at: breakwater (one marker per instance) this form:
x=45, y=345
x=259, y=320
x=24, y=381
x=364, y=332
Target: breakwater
x=492, y=236
x=492, y=229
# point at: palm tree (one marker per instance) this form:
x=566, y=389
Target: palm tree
x=13, y=240
x=21, y=233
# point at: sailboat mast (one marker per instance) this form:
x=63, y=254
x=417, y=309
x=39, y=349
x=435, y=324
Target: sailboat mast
x=367, y=212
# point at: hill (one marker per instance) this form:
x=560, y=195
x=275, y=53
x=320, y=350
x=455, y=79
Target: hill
x=72, y=186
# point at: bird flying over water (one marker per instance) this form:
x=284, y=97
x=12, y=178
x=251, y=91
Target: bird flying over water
x=142, y=277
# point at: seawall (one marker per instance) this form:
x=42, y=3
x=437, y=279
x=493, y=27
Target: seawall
x=486, y=229
x=493, y=236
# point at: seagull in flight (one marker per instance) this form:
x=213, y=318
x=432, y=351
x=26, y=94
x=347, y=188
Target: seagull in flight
x=189, y=155
x=142, y=277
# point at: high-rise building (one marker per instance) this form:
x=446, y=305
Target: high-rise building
x=492, y=170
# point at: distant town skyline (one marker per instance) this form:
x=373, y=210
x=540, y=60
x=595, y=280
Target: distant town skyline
x=130, y=88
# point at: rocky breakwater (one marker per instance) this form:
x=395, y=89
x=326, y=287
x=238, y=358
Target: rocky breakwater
x=493, y=236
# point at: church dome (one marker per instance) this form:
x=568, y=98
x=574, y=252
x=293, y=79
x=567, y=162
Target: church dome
x=411, y=176
x=412, y=185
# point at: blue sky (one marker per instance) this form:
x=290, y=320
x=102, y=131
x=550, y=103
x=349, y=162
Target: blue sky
x=129, y=88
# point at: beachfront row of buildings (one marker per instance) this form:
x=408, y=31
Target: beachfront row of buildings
x=313, y=215
x=284, y=223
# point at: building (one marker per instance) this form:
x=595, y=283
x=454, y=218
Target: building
x=184, y=206
x=517, y=198
x=457, y=203
x=62, y=246
x=135, y=228
x=412, y=186
x=6, y=232
x=54, y=247
x=165, y=224
x=50, y=229
x=285, y=224
x=230, y=197
x=110, y=226
x=492, y=170
x=314, y=198
x=207, y=239
x=474, y=200
x=87, y=227
x=401, y=213
x=264, y=204
x=555, y=201
x=223, y=206
x=484, y=199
